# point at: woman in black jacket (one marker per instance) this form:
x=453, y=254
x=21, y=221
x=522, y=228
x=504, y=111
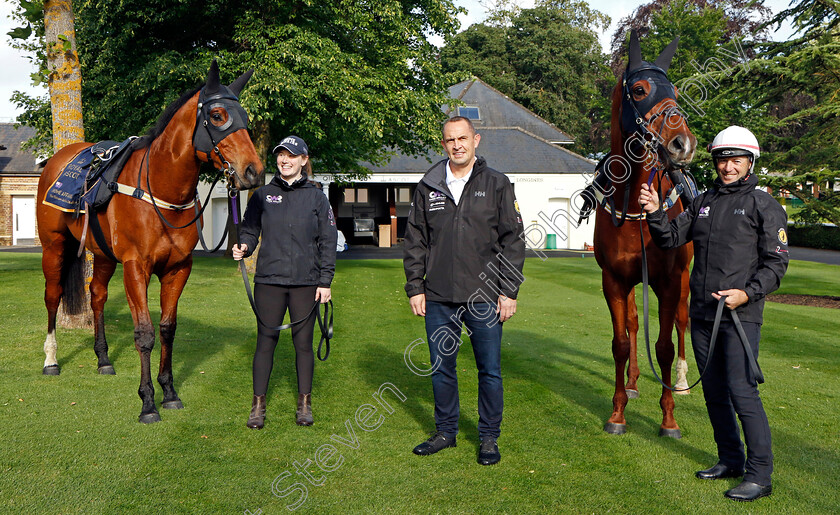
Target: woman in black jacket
x=295, y=268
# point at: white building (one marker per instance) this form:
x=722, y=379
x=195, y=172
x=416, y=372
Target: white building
x=529, y=150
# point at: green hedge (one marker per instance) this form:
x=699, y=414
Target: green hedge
x=814, y=236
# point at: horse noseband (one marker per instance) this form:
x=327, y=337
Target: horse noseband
x=632, y=112
x=207, y=140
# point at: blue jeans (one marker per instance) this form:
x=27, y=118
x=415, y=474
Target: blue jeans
x=443, y=329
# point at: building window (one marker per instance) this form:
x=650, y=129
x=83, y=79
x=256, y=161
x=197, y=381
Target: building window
x=355, y=195
x=403, y=195
x=470, y=112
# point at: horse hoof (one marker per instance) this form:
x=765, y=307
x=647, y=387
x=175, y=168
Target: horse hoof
x=149, y=418
x=176, y=404
x=107, y=370
x=615, y=429
x=51, y=370
x=632, y=394
x=673, y=433
x=685, y=391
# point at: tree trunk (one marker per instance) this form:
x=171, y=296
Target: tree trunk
x=65, y=82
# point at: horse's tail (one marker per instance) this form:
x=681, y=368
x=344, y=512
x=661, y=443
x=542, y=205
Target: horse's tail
x=73, y=283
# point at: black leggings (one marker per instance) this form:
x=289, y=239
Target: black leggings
x=272, y=302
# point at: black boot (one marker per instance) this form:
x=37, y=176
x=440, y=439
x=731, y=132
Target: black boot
x=257, y=418
x=304, y=410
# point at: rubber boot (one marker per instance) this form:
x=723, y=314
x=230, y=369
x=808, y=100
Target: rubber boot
x=257, y=418
x=304, y=410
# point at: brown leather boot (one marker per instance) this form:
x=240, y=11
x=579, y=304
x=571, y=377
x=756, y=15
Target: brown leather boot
x=257, y=418
x=304, y=410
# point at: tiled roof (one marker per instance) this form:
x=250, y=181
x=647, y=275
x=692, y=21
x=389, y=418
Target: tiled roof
x=498, y=110
x=13, y=160
x=506, y=149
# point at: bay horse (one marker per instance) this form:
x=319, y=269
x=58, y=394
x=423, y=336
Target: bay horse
x=205, y=125
x=649, y=139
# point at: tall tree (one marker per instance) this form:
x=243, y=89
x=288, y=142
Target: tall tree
x=65, y=83
x=356, y=80
x=799, y=80
x=547, y=58
x=52, y=24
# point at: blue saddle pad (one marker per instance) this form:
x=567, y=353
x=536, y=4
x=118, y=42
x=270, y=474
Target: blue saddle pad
x=66, y=190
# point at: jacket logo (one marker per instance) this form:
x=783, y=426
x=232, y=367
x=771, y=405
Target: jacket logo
x=783, y=236
x=274, y=199
x=704, y=212
x=480, y=194
x=738, y=212
x=436, y=195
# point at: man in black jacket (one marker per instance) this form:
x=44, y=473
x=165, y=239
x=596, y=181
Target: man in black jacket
x=464, y=254
x=740, y=255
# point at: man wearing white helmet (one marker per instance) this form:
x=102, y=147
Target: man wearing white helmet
x=740, y=255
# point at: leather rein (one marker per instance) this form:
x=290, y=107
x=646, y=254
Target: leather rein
x=651, y=143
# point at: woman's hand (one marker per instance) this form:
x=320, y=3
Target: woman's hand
x=239, y=251
x=323, y=294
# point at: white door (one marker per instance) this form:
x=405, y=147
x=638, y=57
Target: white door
x=23, y=220
x=220, y=215
x=559, y=208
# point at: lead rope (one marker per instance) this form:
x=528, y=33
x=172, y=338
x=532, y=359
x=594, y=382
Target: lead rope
x=755, y=371
x=325, y=324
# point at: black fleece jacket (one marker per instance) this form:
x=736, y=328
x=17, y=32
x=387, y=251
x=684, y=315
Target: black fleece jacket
x=740, y=242
x=472, y=249
x=298, y=234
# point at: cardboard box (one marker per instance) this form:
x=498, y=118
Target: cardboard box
x=385, y=235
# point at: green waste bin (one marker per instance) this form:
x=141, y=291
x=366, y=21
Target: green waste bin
x=551, y=241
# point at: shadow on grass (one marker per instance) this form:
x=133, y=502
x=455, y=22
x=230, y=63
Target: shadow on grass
x=566, y=371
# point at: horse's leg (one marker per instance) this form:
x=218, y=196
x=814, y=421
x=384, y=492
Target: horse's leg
x=171, y=285
x=682, y=325
x=136, y=279
x=52, y=259
x=616, y=295
x=668, y=295
x=632, y=333
x=103, y=270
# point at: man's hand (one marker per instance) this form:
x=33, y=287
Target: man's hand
x=649, y=199
x=239, y=251
x=506, y=307
x=323, y=294
x=418, y=304
x=734, y=298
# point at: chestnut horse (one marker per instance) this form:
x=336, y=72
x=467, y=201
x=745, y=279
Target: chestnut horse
x=649, y=138
x=205, y=125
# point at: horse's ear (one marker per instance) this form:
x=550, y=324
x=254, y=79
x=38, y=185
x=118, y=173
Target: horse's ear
x=635, y=51
x=213, y=81
x=664, y=59
x=237, y=85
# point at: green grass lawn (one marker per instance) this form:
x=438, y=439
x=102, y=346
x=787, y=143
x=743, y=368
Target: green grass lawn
x=72, y=443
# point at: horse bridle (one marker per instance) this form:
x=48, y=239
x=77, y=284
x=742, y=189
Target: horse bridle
x=203, y=141
x=632, y=119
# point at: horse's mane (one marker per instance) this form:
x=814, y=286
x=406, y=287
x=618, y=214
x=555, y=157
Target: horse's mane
x=164, y=119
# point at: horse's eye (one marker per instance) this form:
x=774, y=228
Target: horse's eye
x=638, y=90
x=218, y=117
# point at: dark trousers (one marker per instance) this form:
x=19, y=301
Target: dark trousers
x=443, y=328
x=272, y=303
x=729, y=390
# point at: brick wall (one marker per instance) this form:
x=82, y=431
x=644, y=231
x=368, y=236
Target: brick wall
x=13, y=186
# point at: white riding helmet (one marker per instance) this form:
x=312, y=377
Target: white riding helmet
x=735, y=141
